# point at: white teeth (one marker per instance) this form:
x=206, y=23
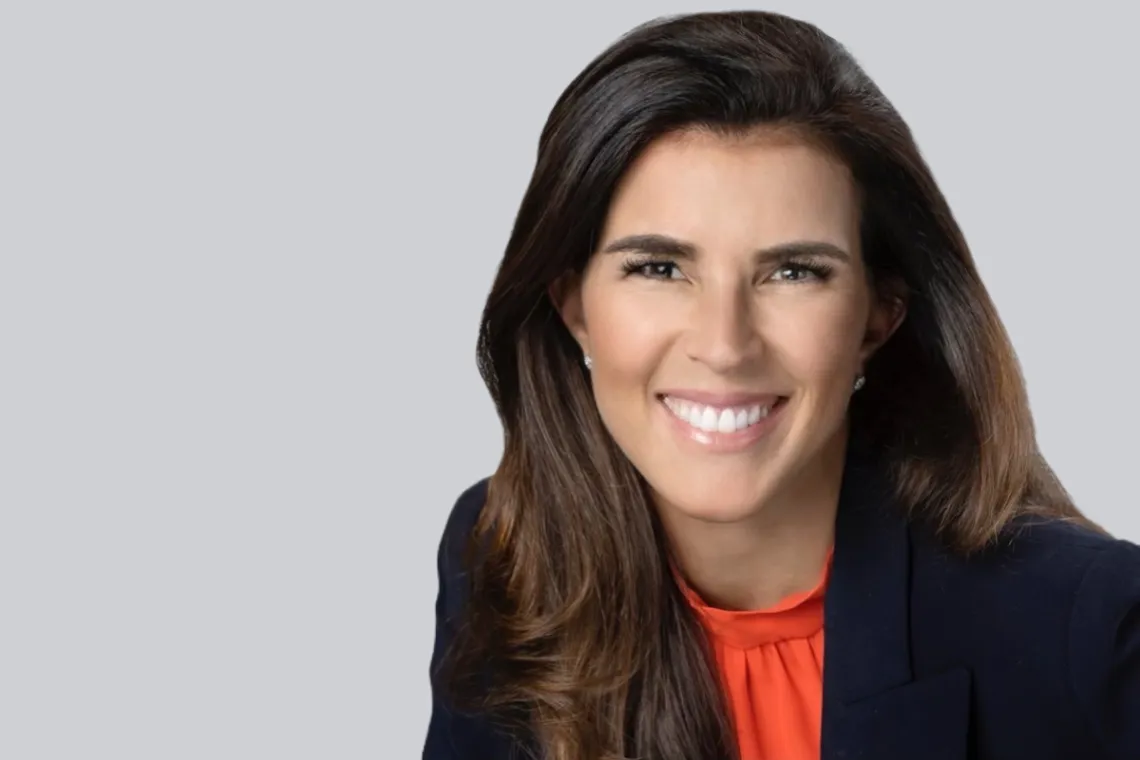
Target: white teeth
x=713, y=419
x=694, y=416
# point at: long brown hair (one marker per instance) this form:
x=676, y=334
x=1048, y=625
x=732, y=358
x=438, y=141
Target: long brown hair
x=574, y=628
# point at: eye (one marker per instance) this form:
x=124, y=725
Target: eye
x=654, y=269
x=795, y=272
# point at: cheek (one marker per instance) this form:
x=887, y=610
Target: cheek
x=625, y=341
x=817, y=342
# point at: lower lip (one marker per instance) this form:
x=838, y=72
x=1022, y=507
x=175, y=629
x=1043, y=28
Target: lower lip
x=724, y=442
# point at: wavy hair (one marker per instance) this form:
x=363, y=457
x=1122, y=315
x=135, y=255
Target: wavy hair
x=575, y=630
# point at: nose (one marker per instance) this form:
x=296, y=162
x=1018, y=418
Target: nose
x=722, y=333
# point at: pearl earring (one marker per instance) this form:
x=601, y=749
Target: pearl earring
x=860, y=382
x=588, y=361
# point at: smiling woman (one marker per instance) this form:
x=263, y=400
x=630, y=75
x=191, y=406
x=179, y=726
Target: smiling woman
x=770, y=485
x=740, y=294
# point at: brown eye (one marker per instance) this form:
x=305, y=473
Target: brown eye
x=664, y=270
x=793, y=274
x=801, y=272
x=654, y=270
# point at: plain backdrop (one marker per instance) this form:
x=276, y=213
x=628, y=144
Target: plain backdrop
x=243, y=251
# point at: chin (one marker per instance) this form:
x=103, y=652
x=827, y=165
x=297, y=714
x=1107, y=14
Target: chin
x=726, y=513
x=716, y=504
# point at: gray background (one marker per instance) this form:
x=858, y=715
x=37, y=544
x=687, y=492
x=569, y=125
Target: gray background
x=244, y=250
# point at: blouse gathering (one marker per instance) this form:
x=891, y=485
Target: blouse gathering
x=770, y=662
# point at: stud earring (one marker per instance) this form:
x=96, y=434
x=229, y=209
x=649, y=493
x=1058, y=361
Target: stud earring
x=588, y=361
x=860, y=382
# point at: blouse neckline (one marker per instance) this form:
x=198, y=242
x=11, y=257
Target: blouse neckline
x=796, y=616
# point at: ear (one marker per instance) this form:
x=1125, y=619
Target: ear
x=566, y=295
x=887, y=313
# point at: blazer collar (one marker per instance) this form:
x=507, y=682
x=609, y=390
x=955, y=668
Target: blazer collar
x=873, y=705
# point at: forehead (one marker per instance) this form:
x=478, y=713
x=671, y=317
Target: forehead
x=752, y=190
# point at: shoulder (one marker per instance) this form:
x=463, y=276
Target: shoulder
x=452, y=732
x=1034, y=555
x=1090, y=579
x=463, y=515
x=1104, y=651
x=457, y=531
x=1052, y=611
x=1102, y=571
x=1025, y=589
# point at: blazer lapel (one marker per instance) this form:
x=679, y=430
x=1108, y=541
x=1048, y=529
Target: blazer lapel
x=872, y=706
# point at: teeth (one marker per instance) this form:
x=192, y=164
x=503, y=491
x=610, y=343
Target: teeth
x=714, y=419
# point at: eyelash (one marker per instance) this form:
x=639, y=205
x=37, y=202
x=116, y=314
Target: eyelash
x=638, y=266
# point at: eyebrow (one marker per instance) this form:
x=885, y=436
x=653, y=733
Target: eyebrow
x=663, y=245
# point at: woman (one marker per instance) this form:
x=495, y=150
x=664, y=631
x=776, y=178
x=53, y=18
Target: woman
x=770, y=486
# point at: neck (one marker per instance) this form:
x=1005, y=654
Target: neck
x=778, y=551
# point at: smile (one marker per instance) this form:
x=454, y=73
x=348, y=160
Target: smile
x=722, y=427
x=713, y=419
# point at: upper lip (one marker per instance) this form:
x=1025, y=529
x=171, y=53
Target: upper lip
x=710, y=398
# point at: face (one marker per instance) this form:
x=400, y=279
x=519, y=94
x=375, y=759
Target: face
x=727, y=314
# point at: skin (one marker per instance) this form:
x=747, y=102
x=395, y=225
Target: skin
x=752, y=525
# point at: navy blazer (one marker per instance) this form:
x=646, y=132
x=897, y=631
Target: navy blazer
x=1027, y=651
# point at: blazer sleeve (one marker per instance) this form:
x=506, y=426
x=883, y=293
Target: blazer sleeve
x=452, y=735
x=1104, y=650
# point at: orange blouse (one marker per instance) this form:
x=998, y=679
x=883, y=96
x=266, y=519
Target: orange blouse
x=771, y=665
